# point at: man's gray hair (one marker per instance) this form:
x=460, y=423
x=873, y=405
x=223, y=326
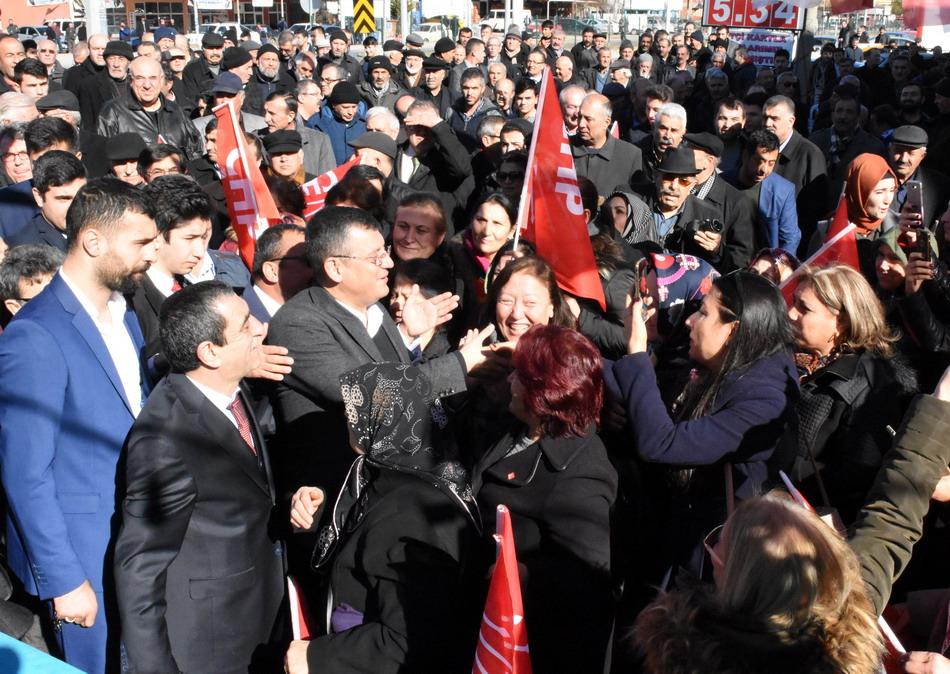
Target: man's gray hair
x=775, y=101
x=674, y=110
x=386, y=114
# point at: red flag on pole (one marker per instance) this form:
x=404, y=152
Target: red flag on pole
x=300, y=620
x=551, y=213
x=841, y=248
x=315, y=191
x=250, y=203
x=839, y=220
x=503, y=641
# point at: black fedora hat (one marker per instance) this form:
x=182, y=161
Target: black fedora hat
x=679, y=161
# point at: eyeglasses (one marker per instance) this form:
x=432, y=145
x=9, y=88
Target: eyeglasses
x=155, y=173
x=505, y=176
x=711, y=541
x=324, y=80
x=379, y=259
x=15, y=156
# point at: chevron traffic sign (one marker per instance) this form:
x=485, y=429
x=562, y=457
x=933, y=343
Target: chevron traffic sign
x=363, y=18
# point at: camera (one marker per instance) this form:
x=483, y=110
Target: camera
x=713, y=225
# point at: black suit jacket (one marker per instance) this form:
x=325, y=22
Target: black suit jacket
x=325, y=341
x=199, y=569
x=936, y=192
x=803, y=164
x=38, y=231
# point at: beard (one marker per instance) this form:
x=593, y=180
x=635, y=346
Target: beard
x=120, y=279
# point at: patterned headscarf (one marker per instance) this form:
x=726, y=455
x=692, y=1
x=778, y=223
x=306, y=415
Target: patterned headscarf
x=682, y=282
x=398, y=422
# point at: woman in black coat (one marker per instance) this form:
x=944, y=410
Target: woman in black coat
x=401, y=593
x=552, y=472
x=854, y=391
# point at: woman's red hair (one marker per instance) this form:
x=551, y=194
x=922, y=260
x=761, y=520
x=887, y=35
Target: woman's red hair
x=562, y=375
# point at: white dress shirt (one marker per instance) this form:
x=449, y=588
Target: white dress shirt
x=163, y=282
x=270, y=304
x=219, y=400
x=118, y=341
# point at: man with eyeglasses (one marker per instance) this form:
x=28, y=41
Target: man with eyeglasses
x=337, y=325
x=24, y=272
x=280, y=270
x=147, y=112
x=46, y=51
x=309, y=100
x=160, y=159
x=534, y=65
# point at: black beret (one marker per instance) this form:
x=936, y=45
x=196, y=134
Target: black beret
x=392, y=45
x=124, y=147
x=414, y=52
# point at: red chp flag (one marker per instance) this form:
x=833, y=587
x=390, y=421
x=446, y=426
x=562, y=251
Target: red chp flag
x=315, y=192
x=250, y=203
x=551, y=213
x=840, y=247
x=503, y=640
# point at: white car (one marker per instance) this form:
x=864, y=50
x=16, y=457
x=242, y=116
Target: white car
x=431, y=33
x=194, y=39
x=604, y=26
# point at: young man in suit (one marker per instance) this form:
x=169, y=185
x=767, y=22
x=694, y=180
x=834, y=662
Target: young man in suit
x=199, y=570
x=71, y=385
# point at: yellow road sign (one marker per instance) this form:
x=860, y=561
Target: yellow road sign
x=363, y=19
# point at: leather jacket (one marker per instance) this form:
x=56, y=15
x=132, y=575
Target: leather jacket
x=127, y=115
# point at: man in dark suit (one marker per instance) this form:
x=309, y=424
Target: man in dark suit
x=800, y=162
x=198, y=566
x=337, y=325
x=280, y=270
x=110, y=82
x=735, y=243
x=57, y=177
x=604, y=160
x=71, y=385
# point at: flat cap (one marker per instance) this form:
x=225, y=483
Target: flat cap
x=443, y=45
x=707, y=142
x=435, y=63
x=603, y=36
x=911, y=136
x=375, y=140
x=515, y=35
x=63, y=99
x=124, y=147
x=393, y=45
x=412, y=51
x=283, y=141
x=211, y=40
x=620, y=63
x=118, y=48
x=227, y=83
x=250, y=45
x=698, y=36
x=415, y=40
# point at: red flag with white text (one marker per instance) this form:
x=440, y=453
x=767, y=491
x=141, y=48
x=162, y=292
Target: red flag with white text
x=842, y=248
x=551, y=214
x=315, y=191
x=250, y=203
x=503, y=640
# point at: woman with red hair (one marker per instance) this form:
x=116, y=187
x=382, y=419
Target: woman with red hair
x=552, y=471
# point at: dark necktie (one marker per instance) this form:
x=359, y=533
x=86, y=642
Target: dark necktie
x=243, y=423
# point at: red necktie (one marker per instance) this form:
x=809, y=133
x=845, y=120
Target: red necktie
x=176, y=286
x=244, y=425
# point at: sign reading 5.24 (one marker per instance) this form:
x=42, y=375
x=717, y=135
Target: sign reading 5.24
x=753, y=14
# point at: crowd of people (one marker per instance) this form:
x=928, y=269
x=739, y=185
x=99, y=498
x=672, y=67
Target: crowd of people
x=181, y=432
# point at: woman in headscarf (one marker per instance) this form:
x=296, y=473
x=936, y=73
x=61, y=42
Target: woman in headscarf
x=401, y=598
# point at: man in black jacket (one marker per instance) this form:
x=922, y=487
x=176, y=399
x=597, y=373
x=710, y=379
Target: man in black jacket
x=199, y=587
x=198, y=76
x=110, y=82
x=907, y=149
x=734, y=244
x=96, y=61
x=435, y=75
x=148, y=113
x=339, y=55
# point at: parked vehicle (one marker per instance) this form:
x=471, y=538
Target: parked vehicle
x=431, y=33
x=496, y=19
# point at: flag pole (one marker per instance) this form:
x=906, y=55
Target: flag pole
x=529, y=172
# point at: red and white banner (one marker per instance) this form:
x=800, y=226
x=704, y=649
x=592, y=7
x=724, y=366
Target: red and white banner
x=551, y=213
x=250, y=203
x=315, y=191
x=770, y=14
x=503, y=640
